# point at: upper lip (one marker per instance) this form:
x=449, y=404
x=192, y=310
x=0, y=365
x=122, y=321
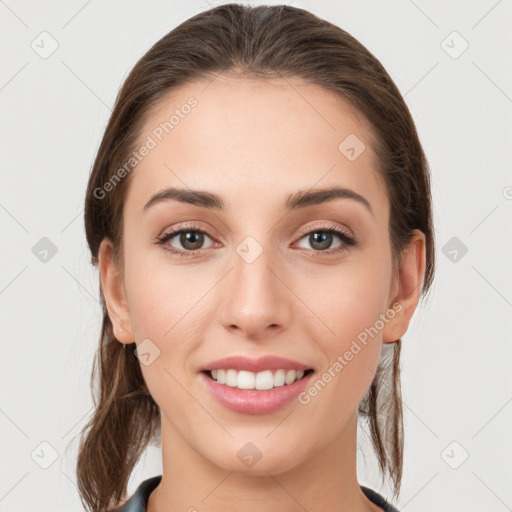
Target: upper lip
x=268, y=362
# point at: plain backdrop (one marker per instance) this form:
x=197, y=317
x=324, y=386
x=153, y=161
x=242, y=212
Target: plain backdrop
x=62, y=66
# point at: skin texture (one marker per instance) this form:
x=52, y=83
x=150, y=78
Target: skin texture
x=253, y=143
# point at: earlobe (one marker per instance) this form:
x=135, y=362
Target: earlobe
x=113, y=290
x=410, y=281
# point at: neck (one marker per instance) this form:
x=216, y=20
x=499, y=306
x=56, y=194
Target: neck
x=327, y=480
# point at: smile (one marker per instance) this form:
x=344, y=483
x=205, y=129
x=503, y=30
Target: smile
x=251, y=399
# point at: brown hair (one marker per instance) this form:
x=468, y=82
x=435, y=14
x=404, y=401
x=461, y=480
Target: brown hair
x=261, y=42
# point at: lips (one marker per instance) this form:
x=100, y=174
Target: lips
x=268, y=362
x=252, y=401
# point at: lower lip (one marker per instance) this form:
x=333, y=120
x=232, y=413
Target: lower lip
x=251, y=401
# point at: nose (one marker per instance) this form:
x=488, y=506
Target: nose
x=255, y=300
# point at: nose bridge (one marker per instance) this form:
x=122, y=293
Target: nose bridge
x=251, y=272
x=255, y=298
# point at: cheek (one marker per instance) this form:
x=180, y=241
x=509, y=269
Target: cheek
x=349, y=301
x=160, y=295
x=163, y=309
x=349, y=309
x=167, y=306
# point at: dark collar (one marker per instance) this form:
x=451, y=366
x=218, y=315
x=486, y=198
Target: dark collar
x=139, y=501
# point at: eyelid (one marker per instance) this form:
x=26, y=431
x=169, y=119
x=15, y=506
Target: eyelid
x=187, y=226
x=328, y=225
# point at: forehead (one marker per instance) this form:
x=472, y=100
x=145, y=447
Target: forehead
x=255, y=141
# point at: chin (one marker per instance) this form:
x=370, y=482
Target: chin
x=274, y=464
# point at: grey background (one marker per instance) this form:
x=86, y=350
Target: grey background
x=457, y=353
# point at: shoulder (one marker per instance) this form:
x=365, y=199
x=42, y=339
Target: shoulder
x=139, y=500
x=379, y=500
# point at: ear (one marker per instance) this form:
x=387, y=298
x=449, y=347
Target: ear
x=406, y=289
x=113, y=290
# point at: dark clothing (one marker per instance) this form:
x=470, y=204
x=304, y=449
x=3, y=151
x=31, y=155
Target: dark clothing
x=138, y=502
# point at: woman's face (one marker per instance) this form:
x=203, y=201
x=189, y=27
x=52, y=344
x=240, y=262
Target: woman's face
x=267, y=275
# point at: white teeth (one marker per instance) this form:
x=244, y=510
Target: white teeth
x=231, y=378
x=279, y=378
x=264, y=380
x=221, y=376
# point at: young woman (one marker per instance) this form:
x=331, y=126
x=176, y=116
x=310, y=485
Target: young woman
x=260, y=213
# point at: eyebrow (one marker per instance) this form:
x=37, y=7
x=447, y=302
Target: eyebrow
x=299, y=199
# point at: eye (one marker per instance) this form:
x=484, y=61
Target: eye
x=190, y=237
x=321, y=238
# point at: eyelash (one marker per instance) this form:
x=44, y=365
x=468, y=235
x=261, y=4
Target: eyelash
x=331, y=228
